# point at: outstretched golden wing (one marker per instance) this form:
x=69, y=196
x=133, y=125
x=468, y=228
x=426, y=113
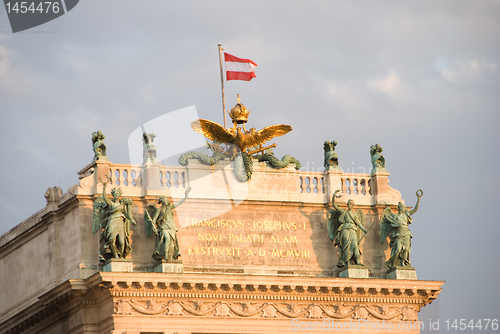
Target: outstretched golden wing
x=213, y=131
x=268, y=133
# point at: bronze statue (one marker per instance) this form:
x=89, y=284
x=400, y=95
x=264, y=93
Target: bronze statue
x=113, y=217
x=161, y=222
x=345, y=229
x=395, y=226
x=331, y=157
x=378, y=160
x=149, y=149
x=98, y=146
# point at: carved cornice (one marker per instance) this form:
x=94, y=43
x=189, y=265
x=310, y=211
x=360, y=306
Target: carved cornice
x=248, y=296
x=268, y=287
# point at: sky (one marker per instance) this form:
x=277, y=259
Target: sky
x=420, y=78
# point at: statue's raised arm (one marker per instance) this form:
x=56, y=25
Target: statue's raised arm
x=419, y=194
x=335, y=206
x=182, y=200
x=104, y=197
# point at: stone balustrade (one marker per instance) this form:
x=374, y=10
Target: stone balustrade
x=356, y=184
x=218, y=182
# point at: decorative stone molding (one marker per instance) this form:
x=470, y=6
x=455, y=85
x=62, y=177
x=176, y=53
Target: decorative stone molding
x=199, y=308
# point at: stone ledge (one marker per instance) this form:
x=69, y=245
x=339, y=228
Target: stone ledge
x=400, y=272
x=169, y=266
x=118, y=265
x=354, y=271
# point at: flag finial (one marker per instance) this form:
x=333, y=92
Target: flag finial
x=238, y=98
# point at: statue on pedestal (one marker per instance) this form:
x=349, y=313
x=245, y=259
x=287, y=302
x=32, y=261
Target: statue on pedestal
x=98, y=146
x=161, y=222
x=331, y=157
x=378, y=160
x=395, y=226
x=149, y=152
x=345, y=229
x=113, y=217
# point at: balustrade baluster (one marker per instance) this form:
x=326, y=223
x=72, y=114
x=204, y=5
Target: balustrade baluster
x=133, y=175
x=351, y=186
x=126, y=177
x=176, y=179
x=168, y=177
x=117, y=177
x=357, y=187
x=363, y=186
x=122, y=178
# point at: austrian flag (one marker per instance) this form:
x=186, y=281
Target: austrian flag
x=239, y=68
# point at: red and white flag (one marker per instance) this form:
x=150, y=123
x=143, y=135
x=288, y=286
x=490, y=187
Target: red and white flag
x=239, y=68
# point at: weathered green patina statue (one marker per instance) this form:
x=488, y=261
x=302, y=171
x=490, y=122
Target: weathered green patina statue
x=331, y=157
x=161, y=222
x=113, y=217
x=345, y=228
x=395, y=226
x=98, y=146
x=378, y=160
x=149, y=149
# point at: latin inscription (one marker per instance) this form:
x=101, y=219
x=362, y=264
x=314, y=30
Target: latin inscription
x=236, y=238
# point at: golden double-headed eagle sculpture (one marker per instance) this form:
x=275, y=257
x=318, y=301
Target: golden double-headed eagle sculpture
x=236, y=135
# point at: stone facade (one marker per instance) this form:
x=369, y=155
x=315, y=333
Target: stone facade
x=256, y=257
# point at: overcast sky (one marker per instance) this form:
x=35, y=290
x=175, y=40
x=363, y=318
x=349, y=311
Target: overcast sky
x=421, y=78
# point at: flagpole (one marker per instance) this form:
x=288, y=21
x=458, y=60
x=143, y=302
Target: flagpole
x=222, y=85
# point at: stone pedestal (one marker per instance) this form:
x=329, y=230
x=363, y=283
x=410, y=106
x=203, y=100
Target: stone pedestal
x=169, y=266
x=402, y=273
x=151, y=176
x=118, y=265
x=353, y=271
